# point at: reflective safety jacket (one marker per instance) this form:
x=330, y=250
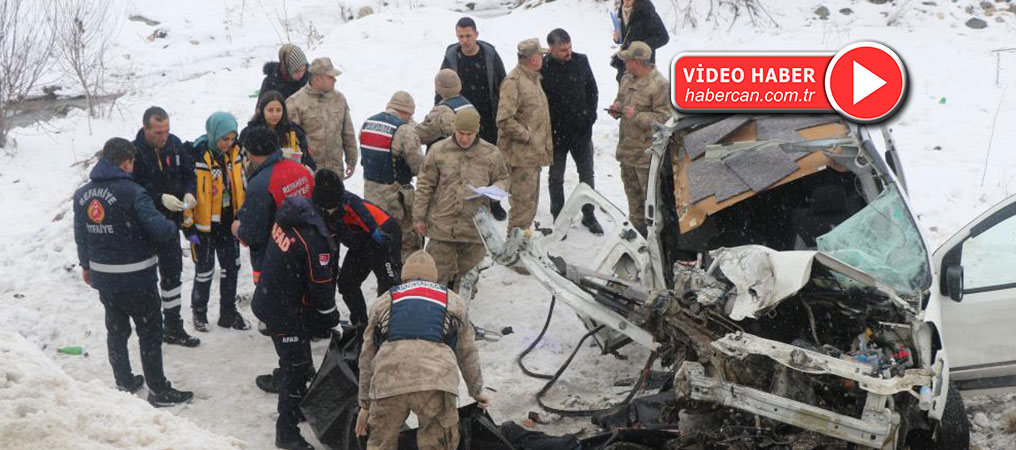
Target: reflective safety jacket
x=380, y=163
x=117, y=229
x=217, y=175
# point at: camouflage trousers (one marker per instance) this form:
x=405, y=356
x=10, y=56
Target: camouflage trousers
x=398, y=203
x=437, y=414
x=454, y=259
x=636, y=183
x=525, y=196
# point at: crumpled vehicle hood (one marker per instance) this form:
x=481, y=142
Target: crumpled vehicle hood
x=763, y=277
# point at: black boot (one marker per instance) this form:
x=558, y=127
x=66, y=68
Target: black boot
x=589, y=220
x=231, y=318
x=497, y=211
x=201, y=321
x=174, y=334
x=270, y=382
x=294, y=442
x=169, y=397
x=133, y=384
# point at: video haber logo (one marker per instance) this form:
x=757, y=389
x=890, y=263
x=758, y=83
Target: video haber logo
x=865, y=82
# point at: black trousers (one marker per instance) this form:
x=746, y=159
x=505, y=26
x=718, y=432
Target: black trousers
x=222, y=244
x=581, y=150
x=384, y=260
x=143, y=307
x=170, y=268
x=296, y=365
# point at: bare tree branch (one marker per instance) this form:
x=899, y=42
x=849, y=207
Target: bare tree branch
x=26, y=46
x=84, y=31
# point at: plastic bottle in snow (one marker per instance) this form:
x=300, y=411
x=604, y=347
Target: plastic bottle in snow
x=72, y=350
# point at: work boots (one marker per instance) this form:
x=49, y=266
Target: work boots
x=169, y=397
x=201, y=321
x=589, y=220
x=174, y=334
x=294, y=442
x=132, y=385
x=231, y=318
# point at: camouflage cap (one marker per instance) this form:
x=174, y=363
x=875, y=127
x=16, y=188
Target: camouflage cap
x=638, y=50
x=447, y=83
x=402, y=101
x=467, y=120
x=530, y=47
x=323, y=66
x=419, y=266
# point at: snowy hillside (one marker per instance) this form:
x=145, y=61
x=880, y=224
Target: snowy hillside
x=210, y=59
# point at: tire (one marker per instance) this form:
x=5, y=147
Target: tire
x=953, y=429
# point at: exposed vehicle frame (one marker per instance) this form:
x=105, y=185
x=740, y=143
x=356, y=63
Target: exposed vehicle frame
x=693, y=305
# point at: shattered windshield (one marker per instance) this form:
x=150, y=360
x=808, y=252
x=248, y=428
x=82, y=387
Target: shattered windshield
x=883, y=241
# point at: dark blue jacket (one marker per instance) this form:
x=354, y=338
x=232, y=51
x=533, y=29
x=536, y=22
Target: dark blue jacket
x=171, y=173
x=296, y=292
x=267, y=186
x=116, y=229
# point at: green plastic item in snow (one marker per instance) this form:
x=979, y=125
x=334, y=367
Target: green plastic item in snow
x=72, y=350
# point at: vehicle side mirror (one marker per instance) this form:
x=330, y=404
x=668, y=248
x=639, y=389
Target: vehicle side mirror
x=954, y=282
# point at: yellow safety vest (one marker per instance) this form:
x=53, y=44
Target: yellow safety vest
x=210, y=185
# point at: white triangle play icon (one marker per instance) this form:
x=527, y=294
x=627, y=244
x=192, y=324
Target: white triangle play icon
x=865, y=82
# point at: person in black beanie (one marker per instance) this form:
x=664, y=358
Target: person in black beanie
x=373, y=238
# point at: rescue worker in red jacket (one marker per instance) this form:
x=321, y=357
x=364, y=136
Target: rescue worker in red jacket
x=295, y=298
x=270, y=179
x=374, y=241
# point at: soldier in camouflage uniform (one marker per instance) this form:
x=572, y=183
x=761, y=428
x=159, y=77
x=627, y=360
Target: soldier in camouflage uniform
x=524, y=136
x=391, y=157
x=441, y=119
x=443, y=210
x=641, y=100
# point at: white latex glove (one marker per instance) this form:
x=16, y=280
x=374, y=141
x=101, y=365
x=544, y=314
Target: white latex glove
x=189, y=202
x=172, y=203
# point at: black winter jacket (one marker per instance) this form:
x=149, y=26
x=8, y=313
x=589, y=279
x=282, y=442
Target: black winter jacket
x=273, y=81
x=171, y=173
x=296, y=292
x=644, y=25
x=572, y=96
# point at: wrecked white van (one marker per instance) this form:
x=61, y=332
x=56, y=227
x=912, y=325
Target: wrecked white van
x=783, y=280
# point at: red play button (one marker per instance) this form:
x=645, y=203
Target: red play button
x=866, y=81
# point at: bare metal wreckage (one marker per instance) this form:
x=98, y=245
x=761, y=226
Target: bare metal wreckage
x=785, y=284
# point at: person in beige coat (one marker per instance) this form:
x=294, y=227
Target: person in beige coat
x=524, y=136
x=418, y=338
x=641, y=100
x=440, y=121
x=391, y=157
x=444, y=206
x=323, y=113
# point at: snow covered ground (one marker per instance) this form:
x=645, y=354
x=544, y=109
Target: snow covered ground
x=211, y=60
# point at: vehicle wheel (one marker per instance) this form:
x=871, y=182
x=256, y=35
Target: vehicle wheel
x=953, y=429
